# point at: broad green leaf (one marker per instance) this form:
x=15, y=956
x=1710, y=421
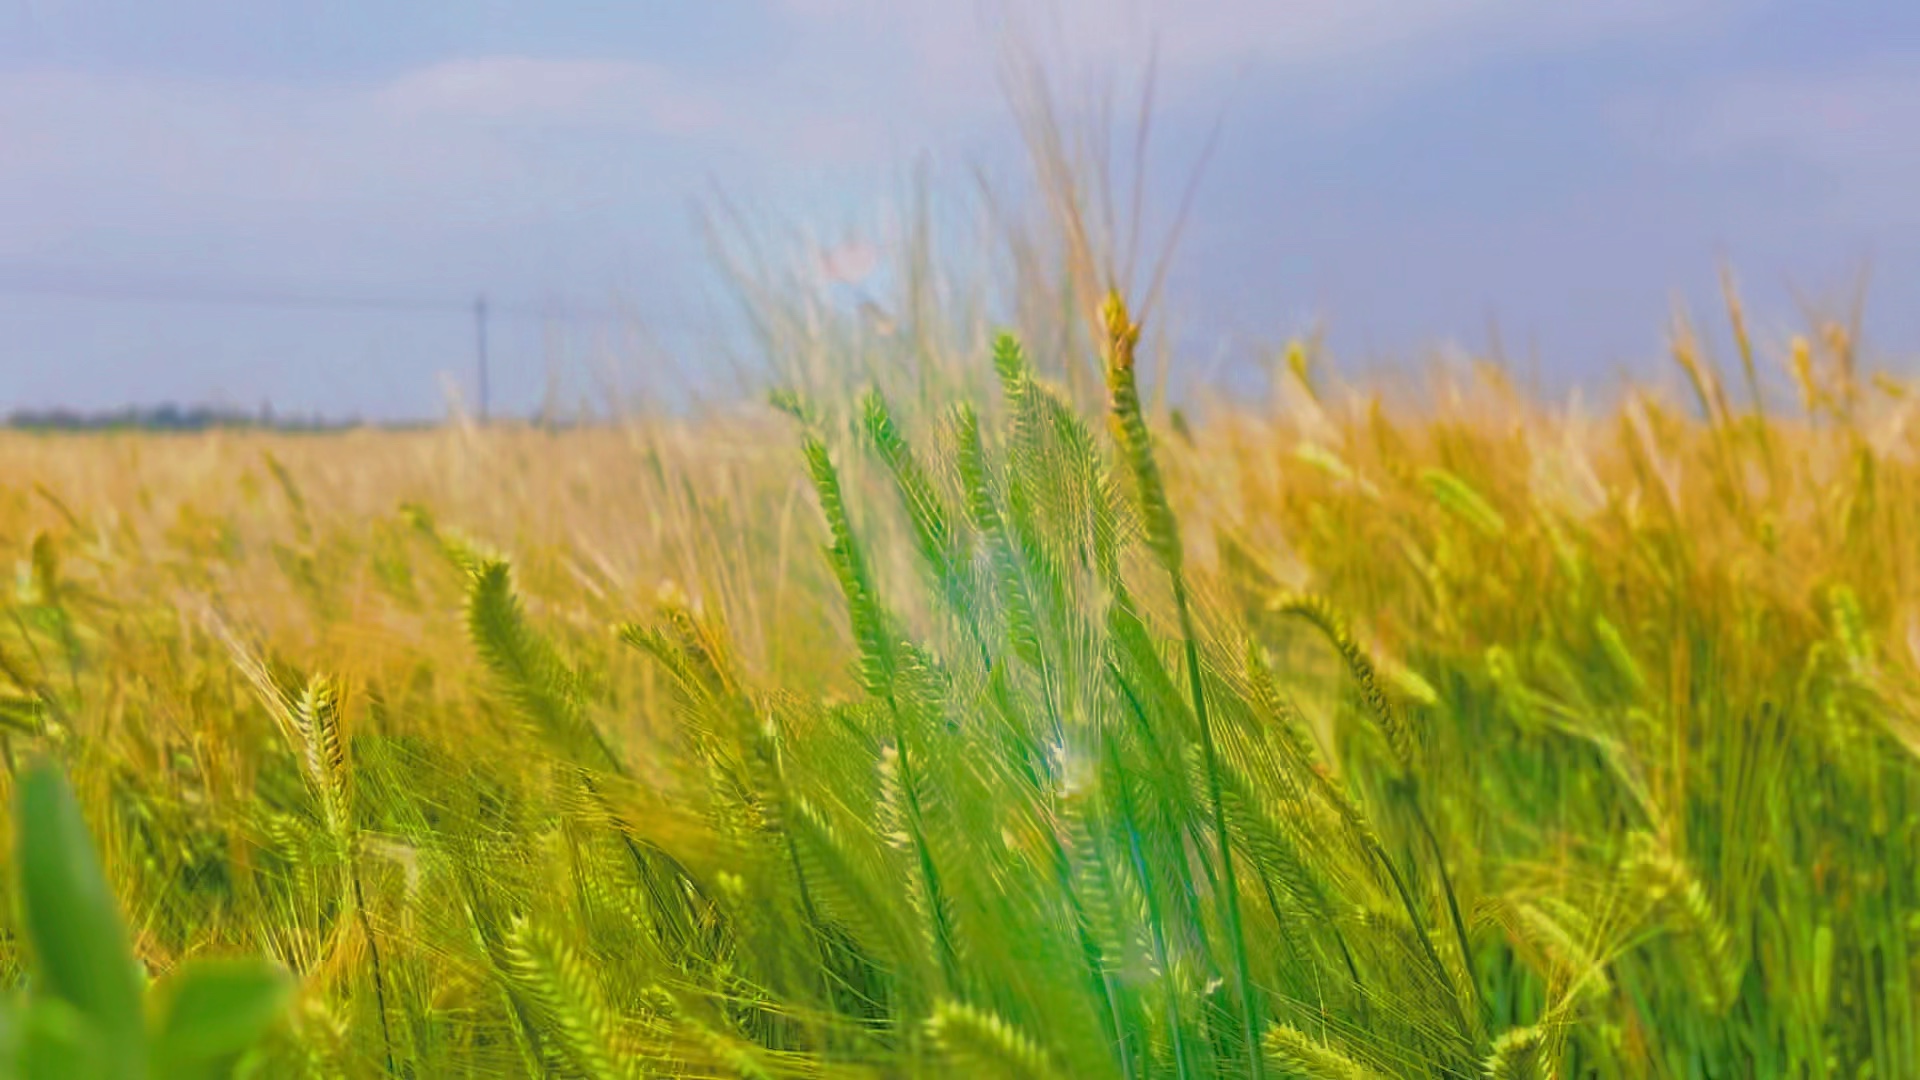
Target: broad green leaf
x=72, y=922
x=215, y=1010
x=12, y=1013
x=56, y=1042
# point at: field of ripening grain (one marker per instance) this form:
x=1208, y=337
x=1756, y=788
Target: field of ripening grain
x=1000, y=730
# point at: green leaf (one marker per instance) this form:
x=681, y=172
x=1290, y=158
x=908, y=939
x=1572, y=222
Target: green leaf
x=55, y=1042
x=72, y=922
x=12, y=1014
x=215, y=1010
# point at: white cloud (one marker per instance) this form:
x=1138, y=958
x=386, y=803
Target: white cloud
x=445, y=124
x=856, y=82
x=598, y=93
x=459, y=129
x=1326, y=32
x=1849, y=120
x=1853, y=130
x=495, y=141
x=492, y=142
x=1383, y=42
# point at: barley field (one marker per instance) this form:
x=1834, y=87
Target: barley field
x=1004, y=728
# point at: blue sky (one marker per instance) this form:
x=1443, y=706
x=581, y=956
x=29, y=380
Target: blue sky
x=1402, y=170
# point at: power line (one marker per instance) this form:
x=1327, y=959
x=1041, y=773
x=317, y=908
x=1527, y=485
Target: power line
x=163, y=294
x=201, y=296
x=206, y=296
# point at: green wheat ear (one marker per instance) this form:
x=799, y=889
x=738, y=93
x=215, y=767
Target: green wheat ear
x=1319, y=612
x=871, y=629
x=1020, y=625
x=1520, y=1054
x=1459, y=497
x=1010, y=363
x=1294, y=1054
x=316, y=715
x=882, y=658
x=1130, y=430
x=978, y=1043
x=1676, y=896
x=543, y=689
x=791, y=403
x=1619, y=655
x=1850, y=626
x=550, y=973
x=936, y=525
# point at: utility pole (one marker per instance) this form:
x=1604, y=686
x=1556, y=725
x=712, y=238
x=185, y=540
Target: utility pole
x=480, y=348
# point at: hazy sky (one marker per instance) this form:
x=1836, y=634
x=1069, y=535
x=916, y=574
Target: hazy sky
x=1402, y=169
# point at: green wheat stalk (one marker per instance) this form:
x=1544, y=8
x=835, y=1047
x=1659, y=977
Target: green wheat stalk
x=1163, y=538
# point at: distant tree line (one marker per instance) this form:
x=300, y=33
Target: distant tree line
x=169, y=417
x=187, y=418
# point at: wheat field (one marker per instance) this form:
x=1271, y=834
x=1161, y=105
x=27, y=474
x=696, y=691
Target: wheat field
x=1009, y=728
